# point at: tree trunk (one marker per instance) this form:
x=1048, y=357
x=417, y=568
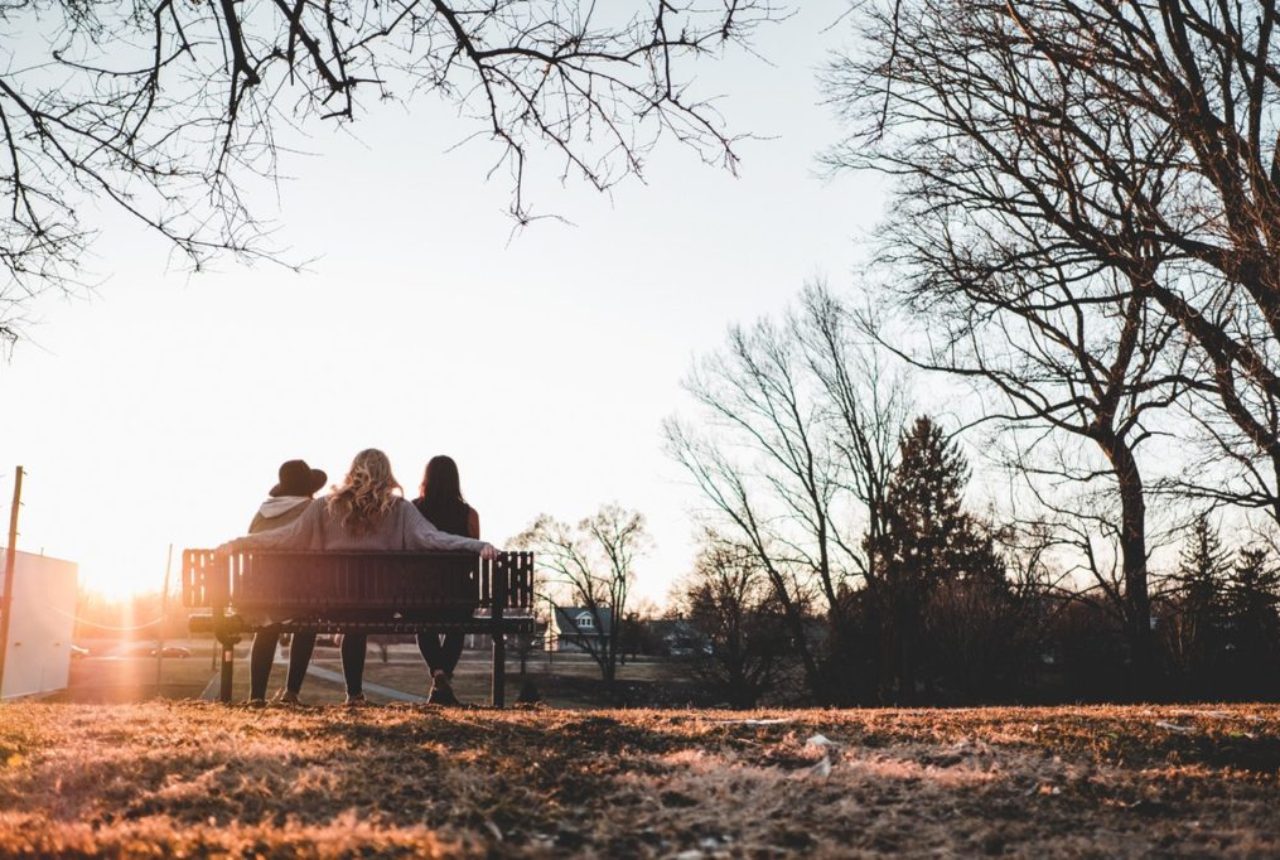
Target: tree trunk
x=795, y=623
x=1133, y=554
x=906, y=658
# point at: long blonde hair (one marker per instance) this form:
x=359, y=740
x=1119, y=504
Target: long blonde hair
x=367, y=493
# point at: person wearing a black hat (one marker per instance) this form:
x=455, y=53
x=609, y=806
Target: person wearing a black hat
x=286, y=502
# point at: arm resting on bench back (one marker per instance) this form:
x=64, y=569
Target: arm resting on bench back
x=306, y=532
x=316, y=529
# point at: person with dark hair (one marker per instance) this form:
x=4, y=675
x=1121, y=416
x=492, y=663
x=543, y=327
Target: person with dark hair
x=440, y=501
x=285, y=503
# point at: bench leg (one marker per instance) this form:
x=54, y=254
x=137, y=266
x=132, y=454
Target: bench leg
x=499, y=670
x=228, y=669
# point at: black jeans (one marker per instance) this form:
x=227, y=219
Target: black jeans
x=354, y=646
x=263, y=655
x=441, y=656
x=438, y=656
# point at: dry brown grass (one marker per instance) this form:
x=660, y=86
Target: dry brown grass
x=174, y=778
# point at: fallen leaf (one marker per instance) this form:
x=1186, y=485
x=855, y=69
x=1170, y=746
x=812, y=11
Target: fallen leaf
x=822, y=768
x=1174, y=727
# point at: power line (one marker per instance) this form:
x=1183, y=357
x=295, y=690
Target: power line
x=78, y=619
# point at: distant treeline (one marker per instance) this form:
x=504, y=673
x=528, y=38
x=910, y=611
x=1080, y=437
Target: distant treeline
x=962, y=612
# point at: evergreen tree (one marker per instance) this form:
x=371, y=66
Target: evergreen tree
x=1200, y=592
x=1253, y=616
x=929, y=540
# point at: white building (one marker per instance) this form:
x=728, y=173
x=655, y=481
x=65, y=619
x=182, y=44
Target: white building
x=38, y=647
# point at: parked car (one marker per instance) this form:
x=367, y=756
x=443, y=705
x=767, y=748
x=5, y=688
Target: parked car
x=171, y=651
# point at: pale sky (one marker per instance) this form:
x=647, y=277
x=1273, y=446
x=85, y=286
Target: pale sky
x=544, y=363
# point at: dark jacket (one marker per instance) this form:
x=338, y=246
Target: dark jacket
x=456, y=521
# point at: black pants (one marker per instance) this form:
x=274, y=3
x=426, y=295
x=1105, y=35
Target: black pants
x=441, y=656
x=354, y=646
x=263, y=655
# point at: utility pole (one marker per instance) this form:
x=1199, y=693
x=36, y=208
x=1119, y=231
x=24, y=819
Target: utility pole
x=10, y=562
x=164, y=619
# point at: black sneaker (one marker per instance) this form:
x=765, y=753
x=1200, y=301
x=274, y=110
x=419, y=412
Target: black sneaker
x=287, y=697
x=442, y=691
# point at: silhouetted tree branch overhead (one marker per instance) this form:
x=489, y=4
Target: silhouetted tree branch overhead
x=162, y=109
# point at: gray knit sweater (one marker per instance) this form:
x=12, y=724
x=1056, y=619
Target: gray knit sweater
x=317, y=529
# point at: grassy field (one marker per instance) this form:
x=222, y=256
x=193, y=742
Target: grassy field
x=172, y=778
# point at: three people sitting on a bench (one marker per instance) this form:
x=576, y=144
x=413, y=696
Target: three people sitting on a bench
x=365, y=512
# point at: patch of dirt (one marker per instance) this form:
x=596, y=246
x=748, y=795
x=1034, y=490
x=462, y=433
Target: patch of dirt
x=173, y=778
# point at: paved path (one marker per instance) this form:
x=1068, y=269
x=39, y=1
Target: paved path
x=211, y=689
x=389, y=692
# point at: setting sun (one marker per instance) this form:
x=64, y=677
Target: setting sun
x=116, y=568
x=118, y=583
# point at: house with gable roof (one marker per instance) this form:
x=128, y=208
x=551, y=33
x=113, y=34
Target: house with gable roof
x=573, y=627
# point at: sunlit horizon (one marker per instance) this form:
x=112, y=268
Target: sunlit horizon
x=115, y=587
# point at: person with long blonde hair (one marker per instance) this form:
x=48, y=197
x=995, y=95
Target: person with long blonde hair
x=365, y=512
x=367, y=494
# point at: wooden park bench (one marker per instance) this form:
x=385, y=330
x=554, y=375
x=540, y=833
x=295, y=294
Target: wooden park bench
x=358, y=592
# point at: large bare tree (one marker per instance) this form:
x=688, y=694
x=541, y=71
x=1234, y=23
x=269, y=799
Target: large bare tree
x=160, y=109
x=1060, y=221
x=1137, y=136
x=792, y=448
x=1074, y=356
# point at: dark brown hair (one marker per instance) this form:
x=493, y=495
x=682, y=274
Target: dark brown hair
x=440, y=498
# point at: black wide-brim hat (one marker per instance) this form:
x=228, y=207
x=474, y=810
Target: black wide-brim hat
x=298, y=479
